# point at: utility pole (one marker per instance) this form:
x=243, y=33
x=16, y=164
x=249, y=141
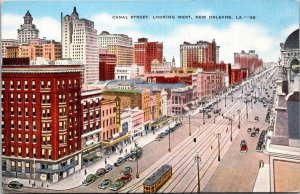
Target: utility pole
x=232, y=97
x=204, y=116
x=231, y=129
x=198, y=160
x=225, y=100
x=239, y=112
x=169, y=140
x=189, y=125
x=218, y=135
x=251, y=103
x=247, y=108
x=137, y=168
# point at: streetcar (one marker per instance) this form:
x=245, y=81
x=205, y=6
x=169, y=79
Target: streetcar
x=158, y=179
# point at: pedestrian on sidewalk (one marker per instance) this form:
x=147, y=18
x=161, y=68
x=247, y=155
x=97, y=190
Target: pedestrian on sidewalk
x=105, y=161
x=29, y=181
x=42, y=185
x=85, y=172
x=211, y=147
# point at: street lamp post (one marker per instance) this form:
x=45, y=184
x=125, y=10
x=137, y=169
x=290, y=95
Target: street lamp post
x=225, y=100
x=239, y=112
x=203, y=116
x=247, y=108
x=137, y=168
x=189, y=125
x=251, y=103
x=198, y=160
x=218, y=135
x=242, y=89
x=231, y=129
x=232, y=97
x=169, y=140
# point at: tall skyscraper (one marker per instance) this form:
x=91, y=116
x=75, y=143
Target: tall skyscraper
x=117, y=44
x=28, y=30
x=79, y=42
x=145, y=52
x=201, y=52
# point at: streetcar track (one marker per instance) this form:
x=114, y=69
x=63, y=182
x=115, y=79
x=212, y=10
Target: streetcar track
x=195, y=134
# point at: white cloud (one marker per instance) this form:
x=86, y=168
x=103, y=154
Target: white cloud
x=105, y=22
x=234, y=38
x=204, y=13
x=48, y=27
x=288, y=30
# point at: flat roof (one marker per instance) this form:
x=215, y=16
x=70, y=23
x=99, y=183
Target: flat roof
x=157, y=175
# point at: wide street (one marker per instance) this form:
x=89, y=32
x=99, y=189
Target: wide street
x=235, y=172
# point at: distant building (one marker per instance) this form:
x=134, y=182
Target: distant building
x=201, y=52
x=117, y=44
x=145, y=52
x=79, y=42
x=238, y=75
x=7, y=43
x=42, y=124
x=249, y=61
x=126, y=72
x=107, y=64
x=28, y=30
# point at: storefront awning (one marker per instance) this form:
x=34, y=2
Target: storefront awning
x=115, y=141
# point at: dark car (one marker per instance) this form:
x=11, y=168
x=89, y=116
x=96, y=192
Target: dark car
x=126, y=177
x=159, y=137
x=243, y=142
x=249, y=130
x=126, y=170
x=259, y=148
x=257, y=130
x=104, y=184
x=89, y=179
x=256, y=118
x=108, y=167
x=15, y=185
x=100, y=172
x=119, y=161
x=253, y=134
x=263, y=132
x=127, y=156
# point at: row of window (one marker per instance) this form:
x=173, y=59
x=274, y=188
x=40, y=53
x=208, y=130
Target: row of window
x=20, y=125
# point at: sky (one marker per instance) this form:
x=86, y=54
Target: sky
x=274, y=21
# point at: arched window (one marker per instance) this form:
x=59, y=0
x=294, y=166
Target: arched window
x=295, y=66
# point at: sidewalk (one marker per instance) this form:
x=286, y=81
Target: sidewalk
x=76, y=178
x=262, y=183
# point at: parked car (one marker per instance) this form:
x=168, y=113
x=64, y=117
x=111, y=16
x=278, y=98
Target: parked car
x=89, y=179
x=159, y=137
x=100, y=172
x=127, y=156
x=126, y=170
x=104, y=184
x=249, y=130
x=243, y=142
x=257, y=130
x=253, y=134
x=117, y=185
x=244, y=149
x=15, y=185
x=256, y=118
x=119, y=161
x=126, y=178
x=259, y=148
x=108, y=167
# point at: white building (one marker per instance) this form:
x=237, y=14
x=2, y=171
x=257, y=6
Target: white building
x=125, y=72
x=6, y=43
x=79, y=42
x=44, y=61
x=28, y=30
x=104, y=39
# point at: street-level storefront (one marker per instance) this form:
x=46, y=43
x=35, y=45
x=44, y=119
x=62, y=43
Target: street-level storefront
x=41, y=170
x=114, y=144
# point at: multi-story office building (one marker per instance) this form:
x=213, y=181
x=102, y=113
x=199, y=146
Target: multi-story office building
x=28, y=30
x=79, y=42
x=105, y=39
x=145, y=52
x=41, y=121
x=124, y=54
x=7, y=43
x=126, y=72
x=201, y=52
x=131, y=98
x=249, y=61
x=117, y=44
x=107, y=64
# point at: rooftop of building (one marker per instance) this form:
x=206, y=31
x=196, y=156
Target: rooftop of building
x=292, y=41
x=161, y=86
x=123, y=90
x=41, y=68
